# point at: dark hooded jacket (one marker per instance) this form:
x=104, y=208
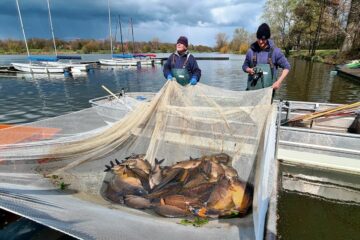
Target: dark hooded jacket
x=278, y=58
x=177, y=61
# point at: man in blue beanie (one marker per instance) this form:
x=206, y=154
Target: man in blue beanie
x=181, y=65
x=262, y=61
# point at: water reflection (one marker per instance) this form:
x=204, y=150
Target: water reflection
x=314, y=82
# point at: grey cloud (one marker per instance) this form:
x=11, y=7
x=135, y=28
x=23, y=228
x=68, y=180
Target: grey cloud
x=88, y=18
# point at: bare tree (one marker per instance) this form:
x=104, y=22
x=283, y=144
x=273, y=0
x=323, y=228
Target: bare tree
x=280, y=16
x=352, y=27
x=241, y=36
x=221, y=40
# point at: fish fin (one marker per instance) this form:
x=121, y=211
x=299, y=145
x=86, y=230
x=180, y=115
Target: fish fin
x=158, y=162
x=108, y=168
x=112, y=164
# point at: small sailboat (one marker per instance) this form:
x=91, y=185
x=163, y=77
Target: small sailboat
x=118, y=59
x=74, y=66
x=37, y=64
x=144, y=59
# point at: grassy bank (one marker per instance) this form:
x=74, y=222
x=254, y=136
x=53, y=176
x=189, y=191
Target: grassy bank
x=329, y=56
x=324, y=56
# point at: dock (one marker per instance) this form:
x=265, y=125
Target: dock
x=8, y=69
x=200, y=58
x=348, y=72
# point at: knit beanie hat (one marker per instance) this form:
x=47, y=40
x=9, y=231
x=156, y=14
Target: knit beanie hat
x=263, y=32
x=183, y=40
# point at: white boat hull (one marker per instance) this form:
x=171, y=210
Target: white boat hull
x=75, y=67
x=119, y=62
x=38, y=68
x=147, y=62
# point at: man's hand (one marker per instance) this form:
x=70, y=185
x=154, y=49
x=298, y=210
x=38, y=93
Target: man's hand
x=193, y=81
x=250, y=71
x=276, y=85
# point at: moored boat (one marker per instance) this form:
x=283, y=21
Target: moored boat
x=39, y=68
x=75, y=67
x=119, y=62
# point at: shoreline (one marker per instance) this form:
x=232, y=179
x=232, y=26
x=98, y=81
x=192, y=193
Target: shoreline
x=328, y=56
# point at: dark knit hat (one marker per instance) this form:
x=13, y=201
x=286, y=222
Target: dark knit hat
x=183, y=40
x=263, y=32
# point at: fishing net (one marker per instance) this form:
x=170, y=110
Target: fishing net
x=70, y=151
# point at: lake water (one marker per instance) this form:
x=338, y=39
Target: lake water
x=27, y=98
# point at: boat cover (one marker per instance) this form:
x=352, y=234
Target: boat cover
x=145, y=55
x=43, y=58
x=122, y=56
x=69, y=57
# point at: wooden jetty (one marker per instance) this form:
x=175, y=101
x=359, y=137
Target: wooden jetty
x=199, y=58
x=348, y=72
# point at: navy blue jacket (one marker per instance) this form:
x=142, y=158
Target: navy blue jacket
x=177, y=61
x=278, y=57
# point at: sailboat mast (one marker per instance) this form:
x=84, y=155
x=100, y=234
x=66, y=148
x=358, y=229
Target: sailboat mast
x=52, y=29
x=132, y=32
x=111, y=45
x=22, y=27
x=121, y=38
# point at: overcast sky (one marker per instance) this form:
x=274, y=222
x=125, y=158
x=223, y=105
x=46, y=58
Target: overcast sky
x=199, y=20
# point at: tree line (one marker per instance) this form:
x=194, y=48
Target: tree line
x=40, y=45
x=239, y=43
x=304, y=25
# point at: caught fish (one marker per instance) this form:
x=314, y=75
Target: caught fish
x=137, y=163
x=181, y=201
x=216, y=172
x=137, y=202
x=173, y=175
x=196, y=180
x=127, y=186
x=187, y=164
x=221, y=158
x=170, y=189
x=155, y=175
x=170, y=211
x=229, y=171
x=205, y=187
x=198, y=190
x=221, y=197
x=241, y=195
x=113, y=196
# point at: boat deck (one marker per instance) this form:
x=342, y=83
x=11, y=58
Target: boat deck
x=323, y=161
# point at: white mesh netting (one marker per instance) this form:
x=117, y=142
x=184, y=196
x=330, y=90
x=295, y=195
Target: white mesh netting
x=179, y=122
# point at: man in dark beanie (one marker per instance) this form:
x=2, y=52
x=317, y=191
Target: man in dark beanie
x=263, y=32
x=181, y=65
x=262, y=61
x=183, y=40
